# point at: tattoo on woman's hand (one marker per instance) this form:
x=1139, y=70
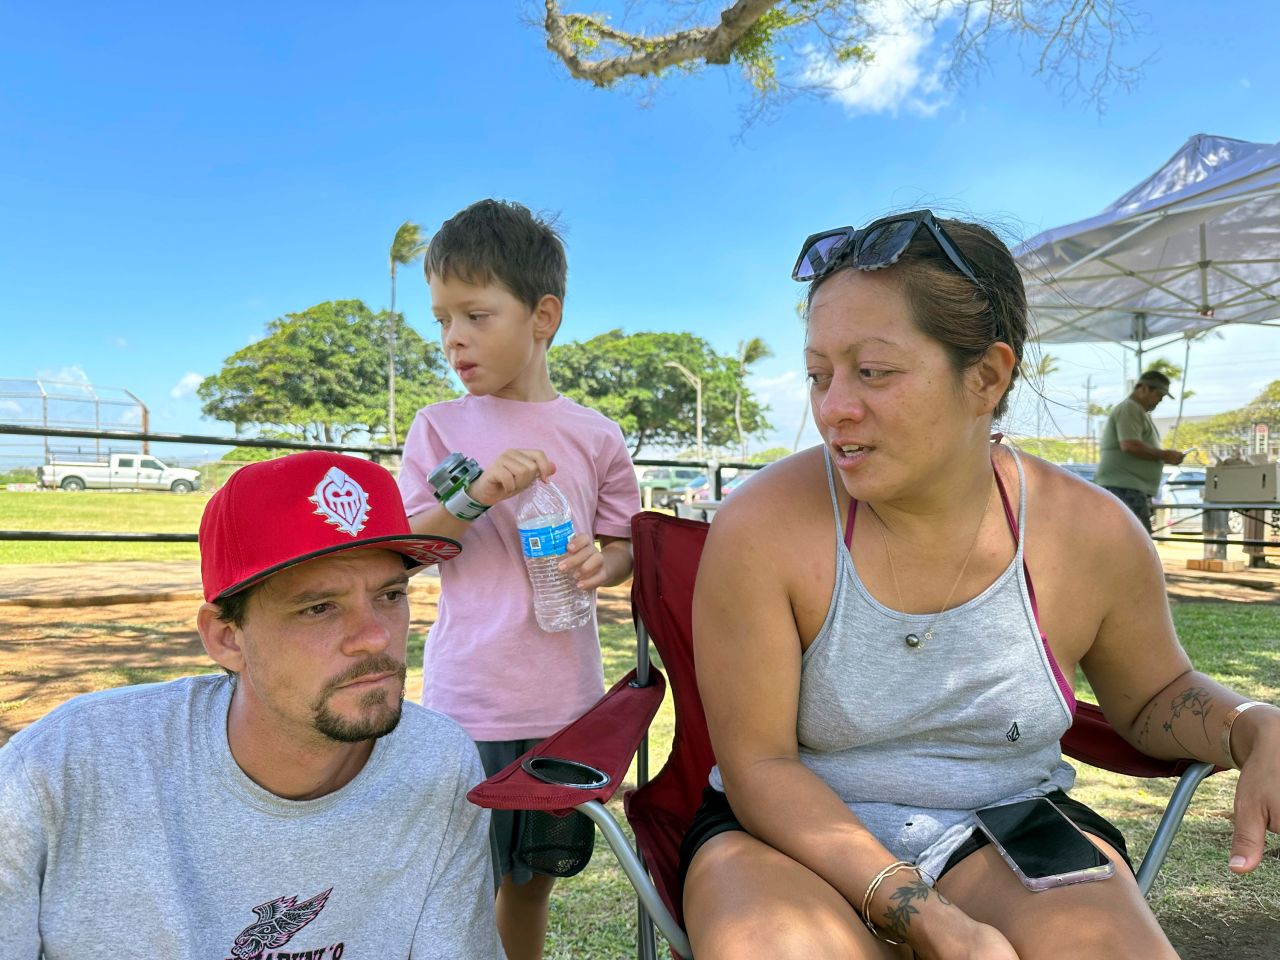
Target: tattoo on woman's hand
x=898, y=916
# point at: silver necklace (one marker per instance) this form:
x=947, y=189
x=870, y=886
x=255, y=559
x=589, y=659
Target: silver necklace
x=913, y=640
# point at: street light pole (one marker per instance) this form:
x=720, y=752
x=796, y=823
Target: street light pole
x=697, y=388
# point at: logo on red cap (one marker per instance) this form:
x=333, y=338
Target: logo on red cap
x=341, y=501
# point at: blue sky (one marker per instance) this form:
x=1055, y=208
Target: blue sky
x=172, y=177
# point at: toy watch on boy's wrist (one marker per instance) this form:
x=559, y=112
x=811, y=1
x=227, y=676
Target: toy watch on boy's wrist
x=451, y=480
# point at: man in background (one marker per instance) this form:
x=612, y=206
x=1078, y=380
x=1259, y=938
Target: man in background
x=1130, y=456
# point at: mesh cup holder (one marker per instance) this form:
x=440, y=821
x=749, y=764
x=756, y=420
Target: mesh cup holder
x=559, y=846
x=565, y=773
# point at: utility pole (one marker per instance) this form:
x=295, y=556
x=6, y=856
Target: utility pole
x=1088, y=416
x=697, y=387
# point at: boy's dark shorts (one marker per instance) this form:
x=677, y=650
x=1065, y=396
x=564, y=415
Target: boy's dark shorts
x=715, y=817
x=525, y=842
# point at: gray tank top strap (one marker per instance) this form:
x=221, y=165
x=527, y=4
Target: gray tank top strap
x=1019, y=532
x=831, y=488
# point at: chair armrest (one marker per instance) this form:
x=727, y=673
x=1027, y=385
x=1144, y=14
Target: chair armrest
x=1094, y=741
x=605, y=738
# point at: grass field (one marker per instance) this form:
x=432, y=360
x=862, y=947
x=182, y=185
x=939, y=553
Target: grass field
x=1208, y=911
x=124, y=511
x=593, y=914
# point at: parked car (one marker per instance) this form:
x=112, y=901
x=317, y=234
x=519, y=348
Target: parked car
x=1085, y=470
x=660, y=481
x=727, y=485
x=120, y=471
x=699, y=488
x=1178, y=485
x=1185, y=484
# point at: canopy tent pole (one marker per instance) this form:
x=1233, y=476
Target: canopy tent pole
x=1139, y=334
x=1182, y=390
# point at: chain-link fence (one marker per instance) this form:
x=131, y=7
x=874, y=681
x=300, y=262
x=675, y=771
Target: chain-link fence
x=75, y=404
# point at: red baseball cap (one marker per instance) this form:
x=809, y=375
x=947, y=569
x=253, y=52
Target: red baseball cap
x=274, y=514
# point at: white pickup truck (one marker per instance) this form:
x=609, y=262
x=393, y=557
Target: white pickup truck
x=121, y=471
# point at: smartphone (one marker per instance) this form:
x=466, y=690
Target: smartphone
x=1041, y=845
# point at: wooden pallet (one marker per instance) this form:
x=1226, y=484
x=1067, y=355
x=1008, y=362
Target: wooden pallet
x=1218, y=566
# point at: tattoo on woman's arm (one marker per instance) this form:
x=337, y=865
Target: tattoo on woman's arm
x=1144, y=735
x=898, y=916
x=1196, y=701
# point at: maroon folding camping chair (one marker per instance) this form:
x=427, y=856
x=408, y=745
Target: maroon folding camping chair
x=582, y=765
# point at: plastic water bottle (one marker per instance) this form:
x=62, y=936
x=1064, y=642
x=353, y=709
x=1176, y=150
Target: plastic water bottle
x=545, y=523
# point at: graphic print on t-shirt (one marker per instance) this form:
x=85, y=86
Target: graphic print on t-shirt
x=278, y=921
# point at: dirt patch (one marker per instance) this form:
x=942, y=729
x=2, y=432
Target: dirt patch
x=1199, y=938
x=48, y=656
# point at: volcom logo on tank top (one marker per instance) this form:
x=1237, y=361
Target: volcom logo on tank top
x=278, y=921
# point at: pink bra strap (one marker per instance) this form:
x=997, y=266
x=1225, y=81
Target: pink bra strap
x=1013, y=526
x=1068, y=693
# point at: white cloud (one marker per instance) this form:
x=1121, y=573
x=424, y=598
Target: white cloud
x=118, y=342
x=783, y=390
x=186, y=386
x=70, y=374
x=787, y=396
x=10, y=406
x=905, y=73
x=1246, y=82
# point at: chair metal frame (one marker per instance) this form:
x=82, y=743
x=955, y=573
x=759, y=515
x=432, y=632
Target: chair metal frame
x=1091, y=740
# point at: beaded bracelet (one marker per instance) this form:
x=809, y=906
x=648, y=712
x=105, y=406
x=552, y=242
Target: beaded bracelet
x=872, y=887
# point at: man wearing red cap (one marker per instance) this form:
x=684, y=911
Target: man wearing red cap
x=292, y=806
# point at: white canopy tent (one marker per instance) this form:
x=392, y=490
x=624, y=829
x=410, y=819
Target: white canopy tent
x=1194, y=246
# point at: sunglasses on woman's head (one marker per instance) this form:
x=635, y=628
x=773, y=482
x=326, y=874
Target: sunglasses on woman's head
x=879, y=244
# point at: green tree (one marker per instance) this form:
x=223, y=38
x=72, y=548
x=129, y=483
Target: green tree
x=770, y=455
x=406, y=247
x=625, y=378
x=1231, y=432
x=785, y=46
x=319, y=375
x=1167, y=367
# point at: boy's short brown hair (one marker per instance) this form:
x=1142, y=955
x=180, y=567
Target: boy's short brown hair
x=500, y=240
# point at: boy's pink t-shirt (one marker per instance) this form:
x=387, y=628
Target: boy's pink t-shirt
x=488, y=664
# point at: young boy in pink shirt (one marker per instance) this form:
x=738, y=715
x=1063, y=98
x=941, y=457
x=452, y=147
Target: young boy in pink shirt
x=497, y=279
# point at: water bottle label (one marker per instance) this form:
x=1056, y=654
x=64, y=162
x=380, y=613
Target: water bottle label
x=546, y=541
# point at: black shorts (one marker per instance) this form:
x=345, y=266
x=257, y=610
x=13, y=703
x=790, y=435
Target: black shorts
x=715, y=817
x=525, y=842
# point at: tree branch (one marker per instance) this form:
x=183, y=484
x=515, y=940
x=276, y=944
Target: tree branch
x=1074, y=43
x=647, y=55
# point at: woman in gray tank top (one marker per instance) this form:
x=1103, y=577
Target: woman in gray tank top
x=884, y=625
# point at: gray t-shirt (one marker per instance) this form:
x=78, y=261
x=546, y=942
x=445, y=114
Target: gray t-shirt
x=127, y=829
x=1116, y=468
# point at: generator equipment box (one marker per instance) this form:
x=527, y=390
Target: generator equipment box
x=1242, y=483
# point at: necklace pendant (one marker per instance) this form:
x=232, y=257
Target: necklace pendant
x=928, y=634
x=913, y=641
